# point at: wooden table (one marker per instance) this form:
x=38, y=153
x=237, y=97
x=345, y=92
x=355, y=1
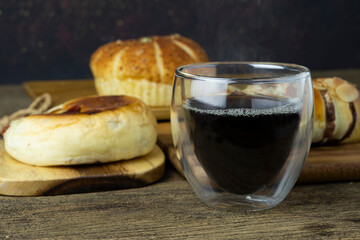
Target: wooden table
x=169, y=209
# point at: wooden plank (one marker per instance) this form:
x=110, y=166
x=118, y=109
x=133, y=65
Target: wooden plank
x=170, y=210
x=18, y=179
x=64, y=90
x=324, y=164
x=61, y=90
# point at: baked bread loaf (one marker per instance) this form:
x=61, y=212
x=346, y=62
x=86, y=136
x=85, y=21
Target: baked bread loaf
x=337, y=111
x=83, y=131
x=143, y=67
x=336, y=108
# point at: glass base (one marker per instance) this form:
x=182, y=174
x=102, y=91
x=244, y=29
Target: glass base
x=232, y=202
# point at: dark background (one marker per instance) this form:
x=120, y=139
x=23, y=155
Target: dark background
x=54, y=39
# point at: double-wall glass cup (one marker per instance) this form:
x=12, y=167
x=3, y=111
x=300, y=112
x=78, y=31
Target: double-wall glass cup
x=242, y=130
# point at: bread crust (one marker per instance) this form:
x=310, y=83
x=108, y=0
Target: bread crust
x=146, y=62
x=319, y=116
x=355, y=134
x=84, y=131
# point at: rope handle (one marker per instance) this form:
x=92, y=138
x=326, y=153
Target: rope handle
x=38, y=106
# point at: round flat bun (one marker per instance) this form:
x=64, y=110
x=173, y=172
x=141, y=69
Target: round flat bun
x=84, y=131
x=143, y=67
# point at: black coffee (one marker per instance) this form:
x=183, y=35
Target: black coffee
x=244, y=142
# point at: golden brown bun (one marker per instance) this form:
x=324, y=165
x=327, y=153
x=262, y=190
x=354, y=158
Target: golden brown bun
x=143, y=67
x=337, y=111
x=83, y=131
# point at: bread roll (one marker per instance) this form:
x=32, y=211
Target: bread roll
x=143, y=67
x=83, y=131
x=336, y=108
x=337, y=111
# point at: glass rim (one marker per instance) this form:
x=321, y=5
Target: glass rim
x=301, y=72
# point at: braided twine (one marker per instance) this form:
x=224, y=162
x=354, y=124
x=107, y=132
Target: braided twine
x=38, y=106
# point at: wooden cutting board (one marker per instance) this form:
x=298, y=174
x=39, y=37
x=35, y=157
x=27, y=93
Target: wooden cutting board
x=324, y=164
x=64, y=90
x=18, y=179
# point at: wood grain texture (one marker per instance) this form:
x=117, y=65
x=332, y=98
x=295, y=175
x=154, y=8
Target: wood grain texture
x=64, y=90
x=61, y=90
x=323, y=164
x=20, y=179
x=170, y=210
x=332, y=163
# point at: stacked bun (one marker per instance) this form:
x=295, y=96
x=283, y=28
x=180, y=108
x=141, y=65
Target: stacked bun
x=143, y=67
x=84, y=131
x=337, y=111
x=336, y=108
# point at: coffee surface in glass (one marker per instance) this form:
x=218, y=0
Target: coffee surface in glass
x=244, y=143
